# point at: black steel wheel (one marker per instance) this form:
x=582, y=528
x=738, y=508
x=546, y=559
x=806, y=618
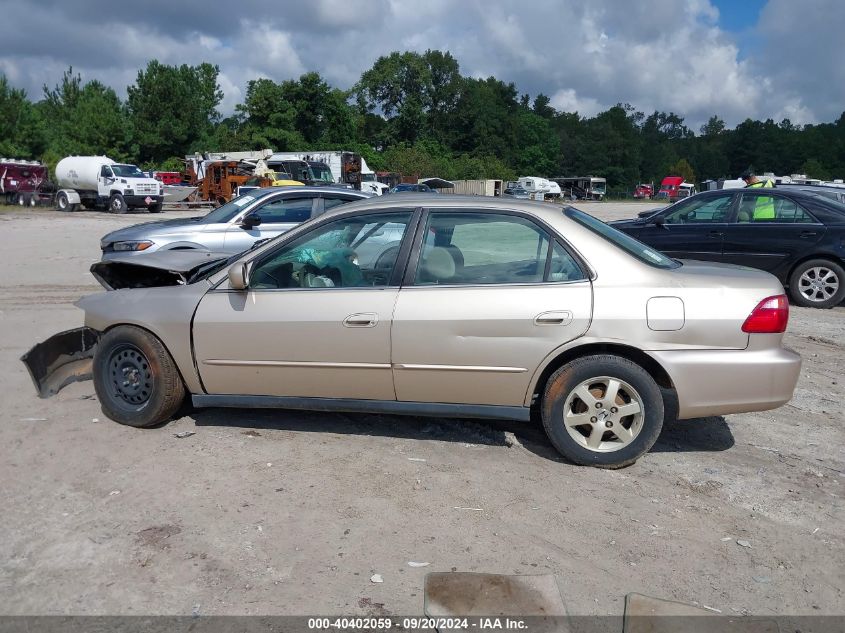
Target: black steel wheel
x=136, y=379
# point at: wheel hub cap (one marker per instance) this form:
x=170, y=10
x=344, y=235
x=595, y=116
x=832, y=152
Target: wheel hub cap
x=818, y=284
x=131, y=379
x=603, y=414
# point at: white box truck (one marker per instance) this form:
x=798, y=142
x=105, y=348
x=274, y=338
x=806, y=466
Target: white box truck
x=99, y=182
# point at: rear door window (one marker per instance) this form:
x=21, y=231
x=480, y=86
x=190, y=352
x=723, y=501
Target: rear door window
x=286, y=211
x=489, y=248
x=760, y=207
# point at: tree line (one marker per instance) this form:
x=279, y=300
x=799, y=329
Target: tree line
x=412, y=113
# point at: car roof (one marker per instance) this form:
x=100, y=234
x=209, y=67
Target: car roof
x=265, y=191
x=549, y=212
x=800, y=193
x=807, y=187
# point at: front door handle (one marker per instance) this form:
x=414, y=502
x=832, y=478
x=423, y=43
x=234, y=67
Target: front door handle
x=716, y=234
x=555, y=317
x=361, y=319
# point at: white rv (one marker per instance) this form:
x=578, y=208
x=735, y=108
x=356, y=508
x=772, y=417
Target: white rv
x=537, y=187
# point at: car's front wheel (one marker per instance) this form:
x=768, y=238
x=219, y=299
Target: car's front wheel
x=817, y=283
x=602, y=410
x=117, y=204
x=135, y=378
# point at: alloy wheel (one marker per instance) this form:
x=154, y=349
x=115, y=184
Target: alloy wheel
x=818, y=284
x=603, y=414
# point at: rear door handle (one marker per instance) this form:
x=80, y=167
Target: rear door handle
x=806, y=234
x=361, y=319
x=555, y=317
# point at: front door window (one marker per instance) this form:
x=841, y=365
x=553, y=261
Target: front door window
x=701, y=211
x=358, y=251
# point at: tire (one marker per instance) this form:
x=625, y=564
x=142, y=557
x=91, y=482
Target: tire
x=63, y=204
x=156, y=208
x=135, y=378
x=577, y=389
x=117, y=204
x=817, y=283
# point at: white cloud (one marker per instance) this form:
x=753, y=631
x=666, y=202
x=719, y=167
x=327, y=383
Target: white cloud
x=567, y=100
x=654, y=54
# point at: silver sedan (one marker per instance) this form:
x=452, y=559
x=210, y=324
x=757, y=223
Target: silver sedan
x=462, y=307
x=233, y=227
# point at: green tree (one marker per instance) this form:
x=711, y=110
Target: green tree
x=713, y=127
x=484, y=121
x=270, y=120
x=415, y=92
x=814, y=169
x=21, y=126
x=683, y=169
x=173, y=109
x=86, y=119
x=612, y=147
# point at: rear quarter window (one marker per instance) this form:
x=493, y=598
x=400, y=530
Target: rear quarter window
x=621, y=240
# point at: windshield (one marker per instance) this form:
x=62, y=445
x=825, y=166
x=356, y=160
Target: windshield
x=624, y=241
x=322, y=172
x=231, y=208
x=598, y=186
x=128, y=171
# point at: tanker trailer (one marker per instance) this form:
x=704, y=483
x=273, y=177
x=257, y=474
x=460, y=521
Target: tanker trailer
x=99, y=182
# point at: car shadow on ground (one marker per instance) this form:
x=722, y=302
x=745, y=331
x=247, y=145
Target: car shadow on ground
x=710, y=434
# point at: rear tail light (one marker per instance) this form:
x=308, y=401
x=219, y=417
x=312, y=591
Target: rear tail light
x=769, y=317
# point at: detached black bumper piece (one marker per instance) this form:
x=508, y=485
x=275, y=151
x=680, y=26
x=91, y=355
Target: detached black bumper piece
x=62, y=359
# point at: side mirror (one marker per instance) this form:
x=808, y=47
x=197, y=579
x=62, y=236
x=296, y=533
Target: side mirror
x=238, y=279
x=250, y=221
x=660, y=221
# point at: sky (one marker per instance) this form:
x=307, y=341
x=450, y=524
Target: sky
x=736, y=59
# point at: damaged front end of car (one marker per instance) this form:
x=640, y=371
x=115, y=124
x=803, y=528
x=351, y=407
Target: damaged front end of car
x=161, y=268
x=67, y=357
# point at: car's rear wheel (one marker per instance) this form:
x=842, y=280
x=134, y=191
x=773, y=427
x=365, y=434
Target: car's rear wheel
x=135, y=377
x=817, y=283
x=63, y=203
x=602, y=410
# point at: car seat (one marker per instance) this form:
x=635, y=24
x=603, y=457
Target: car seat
x=438, y=266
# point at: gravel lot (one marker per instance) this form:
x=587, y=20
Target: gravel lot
x=274, y=512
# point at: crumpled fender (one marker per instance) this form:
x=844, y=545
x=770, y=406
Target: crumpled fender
x=62, y=359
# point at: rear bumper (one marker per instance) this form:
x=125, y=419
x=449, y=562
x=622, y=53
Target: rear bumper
x=718, y=382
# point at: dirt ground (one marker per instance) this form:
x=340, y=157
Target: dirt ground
x=272, y=512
